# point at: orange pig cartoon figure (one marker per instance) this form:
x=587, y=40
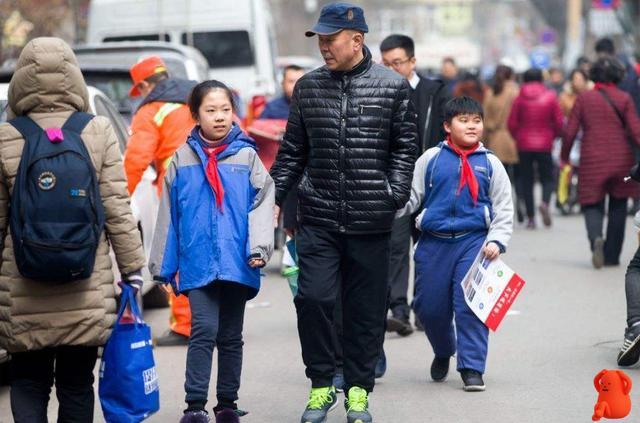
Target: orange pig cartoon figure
x=613, y=388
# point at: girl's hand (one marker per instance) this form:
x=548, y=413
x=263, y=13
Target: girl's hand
x=257, y=263
x=167, y=288
x=491, y=251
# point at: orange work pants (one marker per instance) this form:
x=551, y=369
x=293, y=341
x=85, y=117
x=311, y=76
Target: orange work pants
x=180, y=319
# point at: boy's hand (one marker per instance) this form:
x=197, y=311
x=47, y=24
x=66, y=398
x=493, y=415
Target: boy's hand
x=257, y=263
x=491, y=251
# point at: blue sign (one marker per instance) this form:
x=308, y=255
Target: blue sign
x=540, y=59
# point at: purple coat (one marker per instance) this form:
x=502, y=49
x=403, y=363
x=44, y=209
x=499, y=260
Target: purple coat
x=605, y=153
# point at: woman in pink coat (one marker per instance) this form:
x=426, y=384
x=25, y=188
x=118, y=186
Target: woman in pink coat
x=608, y=118
x=534, y=122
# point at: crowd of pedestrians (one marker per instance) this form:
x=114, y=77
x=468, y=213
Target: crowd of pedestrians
x=376, y=157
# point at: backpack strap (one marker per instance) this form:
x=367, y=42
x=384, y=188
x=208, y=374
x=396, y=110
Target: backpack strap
x=77, y=122
x=26, y=126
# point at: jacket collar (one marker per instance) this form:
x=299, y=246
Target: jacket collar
x=480, y=150
x=359, y=69
x=236, y=140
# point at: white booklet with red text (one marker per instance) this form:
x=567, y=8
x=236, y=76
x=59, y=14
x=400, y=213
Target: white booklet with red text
x=490, y=288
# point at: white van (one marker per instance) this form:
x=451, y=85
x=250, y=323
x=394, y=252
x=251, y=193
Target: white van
x=236, y=36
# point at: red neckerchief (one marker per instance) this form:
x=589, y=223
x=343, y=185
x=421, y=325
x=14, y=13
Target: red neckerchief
x=466, y=173
x=599, y=85
x=212, y=172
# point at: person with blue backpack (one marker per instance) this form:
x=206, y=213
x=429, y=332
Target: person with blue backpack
x=464, y=194
x=63, y=202
x=214, y=227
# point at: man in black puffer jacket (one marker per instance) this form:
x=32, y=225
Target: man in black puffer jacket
x=351, y=135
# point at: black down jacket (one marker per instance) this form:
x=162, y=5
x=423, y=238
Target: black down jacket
x=352, y=138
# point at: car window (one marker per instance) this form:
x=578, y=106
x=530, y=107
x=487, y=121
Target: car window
x=142, y=37
x=115, y=85
x=3, y=110
x=223, y=49
x=106, y=109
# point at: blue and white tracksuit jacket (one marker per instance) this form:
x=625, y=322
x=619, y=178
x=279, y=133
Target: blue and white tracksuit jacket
x=454, y=229
x=196, y=238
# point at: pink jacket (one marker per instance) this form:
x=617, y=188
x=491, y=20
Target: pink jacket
x=535, y=118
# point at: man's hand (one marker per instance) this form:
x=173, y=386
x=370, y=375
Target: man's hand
x=276, y=216
x=491, y=251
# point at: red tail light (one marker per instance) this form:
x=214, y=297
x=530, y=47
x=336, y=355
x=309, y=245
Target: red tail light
x=255, y=108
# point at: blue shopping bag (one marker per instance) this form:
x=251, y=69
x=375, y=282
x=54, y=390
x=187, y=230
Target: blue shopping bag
x=128, y=379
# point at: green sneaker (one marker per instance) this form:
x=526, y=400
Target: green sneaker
x=357, y=404
x=321, y=401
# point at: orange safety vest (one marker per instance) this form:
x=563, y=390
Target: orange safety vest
x=158, y=129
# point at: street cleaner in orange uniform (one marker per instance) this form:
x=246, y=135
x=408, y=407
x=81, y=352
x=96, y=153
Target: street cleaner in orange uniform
x=160, y=125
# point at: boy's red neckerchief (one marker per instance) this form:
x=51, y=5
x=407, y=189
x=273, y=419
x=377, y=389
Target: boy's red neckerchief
x=466, y=172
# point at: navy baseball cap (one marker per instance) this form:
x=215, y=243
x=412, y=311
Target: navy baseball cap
x=335, y=17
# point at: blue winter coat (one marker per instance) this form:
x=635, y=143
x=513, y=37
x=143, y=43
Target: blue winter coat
x=196, y=238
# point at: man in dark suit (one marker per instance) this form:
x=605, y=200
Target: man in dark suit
x=429, y=97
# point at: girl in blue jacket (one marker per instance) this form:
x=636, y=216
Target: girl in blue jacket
x=465, y=196
x=214, y=227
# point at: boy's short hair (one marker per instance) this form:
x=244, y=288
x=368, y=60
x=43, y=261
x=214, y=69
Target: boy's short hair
x=462, y=105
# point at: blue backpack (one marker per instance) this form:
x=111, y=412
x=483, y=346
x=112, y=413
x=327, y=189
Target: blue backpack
x=56, y=214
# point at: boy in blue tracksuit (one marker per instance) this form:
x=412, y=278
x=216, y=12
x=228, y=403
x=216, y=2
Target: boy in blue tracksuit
x=215, y=227
x=465, y=196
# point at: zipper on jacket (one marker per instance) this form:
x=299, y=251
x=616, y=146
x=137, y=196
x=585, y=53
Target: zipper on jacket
x=455, y=196
x=343, y=130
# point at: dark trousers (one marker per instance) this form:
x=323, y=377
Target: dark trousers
x=217, y=317
x=337, y=325
x=528, y=162
x=33, y=373
x=399, y=267
x=360, y=263
x=632, y=288
x=617, y=219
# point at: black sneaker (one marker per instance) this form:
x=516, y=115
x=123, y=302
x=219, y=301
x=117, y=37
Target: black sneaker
x=399, y=325
x=630, y=351
x=472, y=380
x=338, y=381
x=171, y=339
x=439, y=369
x=199, y=416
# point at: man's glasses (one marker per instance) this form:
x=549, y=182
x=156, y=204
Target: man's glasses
x=396, y=63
